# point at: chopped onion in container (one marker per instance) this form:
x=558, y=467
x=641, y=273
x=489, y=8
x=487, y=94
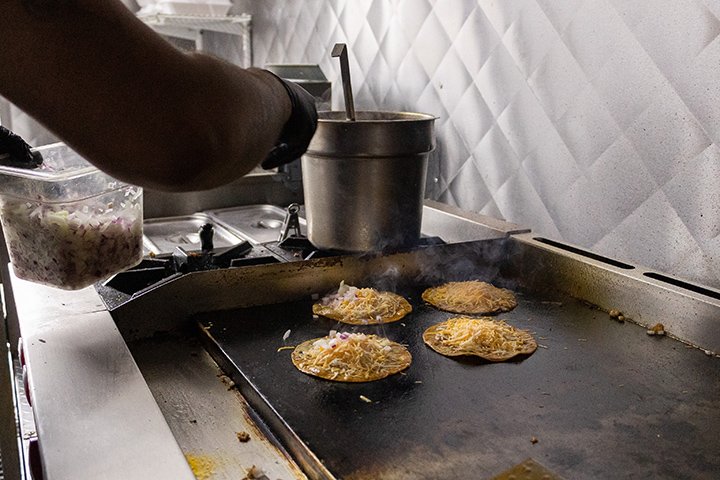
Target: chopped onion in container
x=72, y=246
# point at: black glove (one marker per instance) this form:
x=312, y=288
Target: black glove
x=299, y=129
x=14, y=152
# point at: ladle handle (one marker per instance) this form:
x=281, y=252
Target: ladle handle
x=340, y=50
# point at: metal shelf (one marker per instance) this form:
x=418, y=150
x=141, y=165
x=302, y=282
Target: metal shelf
x=192, y=27
x=231, y=24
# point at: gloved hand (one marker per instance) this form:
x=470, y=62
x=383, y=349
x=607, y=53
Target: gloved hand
x=298, y=130
x=19, y=153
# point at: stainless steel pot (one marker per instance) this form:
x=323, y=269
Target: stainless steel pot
x=364, y=180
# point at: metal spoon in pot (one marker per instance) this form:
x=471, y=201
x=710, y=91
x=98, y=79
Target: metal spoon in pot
x=340, y=50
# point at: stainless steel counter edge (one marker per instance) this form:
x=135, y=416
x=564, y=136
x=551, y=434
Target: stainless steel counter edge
x=95, y=415
x=455, y=225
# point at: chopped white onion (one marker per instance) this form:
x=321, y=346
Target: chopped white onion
x=70, y=247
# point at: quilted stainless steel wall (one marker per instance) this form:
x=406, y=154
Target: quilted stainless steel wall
x=596, y=122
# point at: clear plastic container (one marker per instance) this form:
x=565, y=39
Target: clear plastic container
x=68, y=224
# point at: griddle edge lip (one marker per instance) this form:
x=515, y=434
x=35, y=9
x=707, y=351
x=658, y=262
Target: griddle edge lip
x=659, y=279
x=267, y=417
x=689, y=315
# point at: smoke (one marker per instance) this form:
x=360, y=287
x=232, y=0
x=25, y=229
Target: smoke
x=481, y=260
x=388, y=279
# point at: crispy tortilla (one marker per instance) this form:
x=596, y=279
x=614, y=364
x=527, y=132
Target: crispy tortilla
x=362, y=306
x=493, y=340
x=470, y=297
x=351, y=357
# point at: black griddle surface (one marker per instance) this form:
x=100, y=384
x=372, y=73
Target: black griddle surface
x=599, y=399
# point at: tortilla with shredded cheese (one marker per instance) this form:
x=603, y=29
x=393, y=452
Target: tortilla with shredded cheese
x=362, y=306
x=351, y=357
x=493, y=340
x=470, y=297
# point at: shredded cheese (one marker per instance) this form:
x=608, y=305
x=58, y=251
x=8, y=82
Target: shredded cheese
x=353, y=357
x=470, y=297
x=493, y=339
x=362, y=305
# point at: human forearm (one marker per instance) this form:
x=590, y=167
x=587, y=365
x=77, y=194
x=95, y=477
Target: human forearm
x=130, y=102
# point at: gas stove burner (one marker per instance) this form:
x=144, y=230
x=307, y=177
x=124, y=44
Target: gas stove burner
x=292, y=244
x=150, y=272
x=154, y=271
x=188, y=261
x=209, y=257
x=295, y=248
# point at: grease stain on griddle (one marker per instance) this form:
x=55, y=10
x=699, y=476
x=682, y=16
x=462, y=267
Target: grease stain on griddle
x=527, y=470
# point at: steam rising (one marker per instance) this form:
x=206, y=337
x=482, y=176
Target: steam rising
x=410, y=272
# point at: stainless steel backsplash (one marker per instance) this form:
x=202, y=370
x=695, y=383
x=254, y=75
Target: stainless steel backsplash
x=594, y=122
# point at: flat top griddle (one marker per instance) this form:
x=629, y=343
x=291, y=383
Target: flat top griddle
x=598, y=399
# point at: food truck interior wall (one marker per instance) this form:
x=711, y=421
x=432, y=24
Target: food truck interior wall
x=592, y=122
